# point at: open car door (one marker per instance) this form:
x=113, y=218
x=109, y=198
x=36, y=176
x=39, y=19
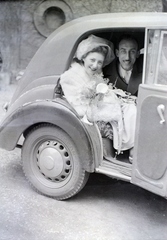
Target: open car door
x=149, y=169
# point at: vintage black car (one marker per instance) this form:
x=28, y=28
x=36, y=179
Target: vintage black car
x=59, y=151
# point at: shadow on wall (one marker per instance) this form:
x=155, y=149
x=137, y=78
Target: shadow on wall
x=164, y=5
x=4, y=76
x=1, y=61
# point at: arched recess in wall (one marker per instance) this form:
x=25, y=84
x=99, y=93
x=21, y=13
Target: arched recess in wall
x=50, y=15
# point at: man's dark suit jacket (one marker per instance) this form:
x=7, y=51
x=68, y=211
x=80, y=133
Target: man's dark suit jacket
x=111, y=72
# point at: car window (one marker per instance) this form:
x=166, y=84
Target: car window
x=156, y=57
x=162, y=61
x=152, y=49
x=113, y=35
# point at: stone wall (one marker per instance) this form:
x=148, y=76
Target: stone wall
x=20, y=37
x=82, y=8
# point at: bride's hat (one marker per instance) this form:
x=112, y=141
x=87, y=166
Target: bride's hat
x=92, y=42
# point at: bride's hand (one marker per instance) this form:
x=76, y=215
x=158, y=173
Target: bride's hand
x=85, y=120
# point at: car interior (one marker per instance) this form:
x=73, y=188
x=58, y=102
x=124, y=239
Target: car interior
x=113, y=35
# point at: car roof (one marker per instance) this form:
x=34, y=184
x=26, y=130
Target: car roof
x=60, y=44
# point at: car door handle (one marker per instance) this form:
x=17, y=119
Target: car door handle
x=161, y=110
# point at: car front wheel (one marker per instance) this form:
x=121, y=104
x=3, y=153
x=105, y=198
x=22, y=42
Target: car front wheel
x=51, y=162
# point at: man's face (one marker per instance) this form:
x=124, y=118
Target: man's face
x=127, y=53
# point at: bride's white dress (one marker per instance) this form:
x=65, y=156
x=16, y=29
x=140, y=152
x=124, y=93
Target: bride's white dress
x=114, y=106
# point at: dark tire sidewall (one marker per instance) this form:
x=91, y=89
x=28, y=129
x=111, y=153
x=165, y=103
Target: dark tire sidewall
x=60, y=191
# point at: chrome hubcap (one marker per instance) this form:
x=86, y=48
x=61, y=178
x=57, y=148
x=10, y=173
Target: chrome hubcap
x=53, y=161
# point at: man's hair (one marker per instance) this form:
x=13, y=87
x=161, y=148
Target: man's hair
x=127, y=37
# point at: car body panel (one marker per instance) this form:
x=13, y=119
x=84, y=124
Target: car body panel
x=150, y=157
x=35, y=101
x=55, y=54
x=57, y=113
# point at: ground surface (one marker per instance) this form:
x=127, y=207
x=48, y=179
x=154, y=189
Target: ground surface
x=105, y=209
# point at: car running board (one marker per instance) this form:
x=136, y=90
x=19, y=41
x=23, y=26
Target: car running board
x=115, y=169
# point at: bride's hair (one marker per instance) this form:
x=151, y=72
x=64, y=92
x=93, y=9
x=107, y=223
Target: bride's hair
x=100, y=49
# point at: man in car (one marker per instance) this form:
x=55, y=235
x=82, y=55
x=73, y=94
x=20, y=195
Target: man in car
x=125, y=72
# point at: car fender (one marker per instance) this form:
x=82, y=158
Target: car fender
x=40, y=88
x=32, y=93
x=86, y=138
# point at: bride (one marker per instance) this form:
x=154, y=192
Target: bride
x=93, y=99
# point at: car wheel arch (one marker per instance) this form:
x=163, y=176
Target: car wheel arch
x=33, y=114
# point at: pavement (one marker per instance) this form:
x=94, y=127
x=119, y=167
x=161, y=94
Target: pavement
x=106, y=209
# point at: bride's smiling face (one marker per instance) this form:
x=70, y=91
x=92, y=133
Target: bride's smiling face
x=93, y=62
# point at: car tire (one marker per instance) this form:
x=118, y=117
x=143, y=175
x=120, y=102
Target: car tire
x=51, y=162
